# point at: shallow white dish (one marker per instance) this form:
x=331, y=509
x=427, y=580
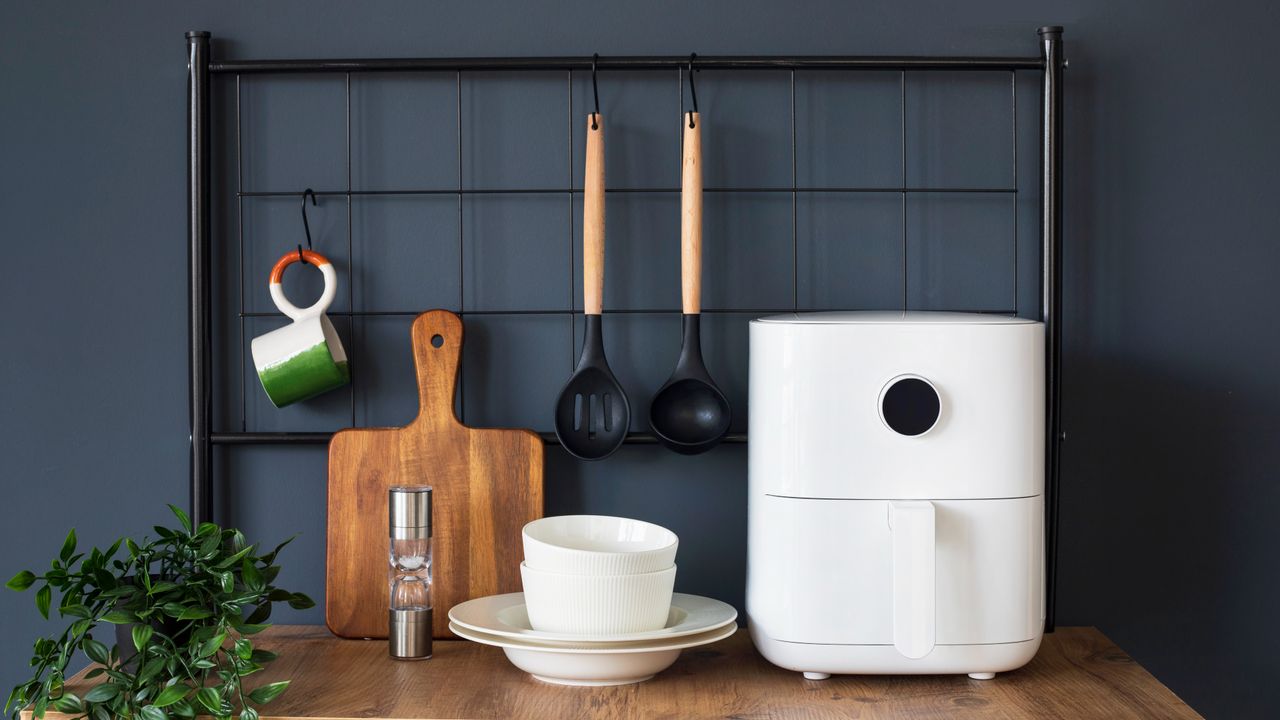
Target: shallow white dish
x=597, y=604
x=506, y=616
x=594, y=664
x=598, y=545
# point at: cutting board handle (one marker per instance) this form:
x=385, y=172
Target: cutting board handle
x=437, y=348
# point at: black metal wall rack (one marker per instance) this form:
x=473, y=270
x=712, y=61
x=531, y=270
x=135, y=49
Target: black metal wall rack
x=201, y=66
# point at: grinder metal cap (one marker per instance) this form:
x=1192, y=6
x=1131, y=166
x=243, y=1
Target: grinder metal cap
x=410, y=634
x=410, y=508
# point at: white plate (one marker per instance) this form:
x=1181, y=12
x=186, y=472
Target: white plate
x=505, y=616
x=594, y=665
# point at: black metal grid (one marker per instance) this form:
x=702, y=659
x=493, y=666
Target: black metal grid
x=460, y=191
x=1049, y=63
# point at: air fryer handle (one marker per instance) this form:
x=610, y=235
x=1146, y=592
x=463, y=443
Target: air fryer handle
x=911, y=529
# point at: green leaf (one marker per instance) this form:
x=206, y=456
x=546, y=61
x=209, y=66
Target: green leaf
x=100, y=712
x=141, y=634
x=252, y=576
x=118, y=592
x=244, y=648
x=104, y=579
x=209, y=547
x=77, y=610
x=44, y=596
x=211, y=646
x=301, y=602
x=262, y=657
x=162, y=586
x=270, y=573
x=96, y=651
x=151, y=712
x=230, y=562
x=102, y=693
x=271, y=556
x=210, y=699
x=134, y=550
x=120, y=617
x=21, y=581
x=68, y=546
x=182, y=517
x=259, y=614
x=251, y=628
x=269, y=692
x=171, y=695
x=69, y=703
x=248, y=714
x=193, y=613
x=228, y=581
x=183, y=709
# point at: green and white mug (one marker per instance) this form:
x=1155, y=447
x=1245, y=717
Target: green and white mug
x=304, y=358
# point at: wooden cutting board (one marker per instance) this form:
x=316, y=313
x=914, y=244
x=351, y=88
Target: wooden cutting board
x=487, y=485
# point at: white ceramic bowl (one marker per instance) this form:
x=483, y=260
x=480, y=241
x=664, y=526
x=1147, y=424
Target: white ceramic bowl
x=597, y=604
x=612, y=664
x=506, y=616
x=570, y=669
x=598, y=545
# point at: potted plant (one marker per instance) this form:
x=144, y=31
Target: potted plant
x=190, y=600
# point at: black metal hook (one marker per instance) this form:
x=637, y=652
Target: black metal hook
x=595, y=90
x=306, y=226
x=693, y=91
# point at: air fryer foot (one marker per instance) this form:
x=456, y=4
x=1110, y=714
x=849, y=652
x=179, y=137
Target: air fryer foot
x=816, y=676
x=982, y=675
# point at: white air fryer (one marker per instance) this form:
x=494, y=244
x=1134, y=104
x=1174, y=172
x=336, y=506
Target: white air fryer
x=896, y=500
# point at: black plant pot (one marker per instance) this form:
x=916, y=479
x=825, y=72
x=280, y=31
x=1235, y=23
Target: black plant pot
x=124, y=636
x=167, y=625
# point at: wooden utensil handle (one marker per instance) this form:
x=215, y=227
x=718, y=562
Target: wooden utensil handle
x=437, y=367
x=593, y=219
x=691, y=217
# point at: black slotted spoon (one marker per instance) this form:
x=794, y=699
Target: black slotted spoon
x=592, y=413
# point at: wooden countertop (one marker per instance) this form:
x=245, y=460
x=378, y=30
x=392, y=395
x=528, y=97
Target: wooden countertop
x=1078, y=673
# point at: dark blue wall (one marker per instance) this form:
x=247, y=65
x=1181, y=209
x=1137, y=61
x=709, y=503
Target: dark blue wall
x=1170, y=386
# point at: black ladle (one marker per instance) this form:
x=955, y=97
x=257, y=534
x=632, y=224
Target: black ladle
x=592, y=414
x=689, y=414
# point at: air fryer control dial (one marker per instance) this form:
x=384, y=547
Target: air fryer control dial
x=909, y=405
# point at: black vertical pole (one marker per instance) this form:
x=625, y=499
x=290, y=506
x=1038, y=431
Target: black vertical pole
x=198, y=237
x=1051, y=301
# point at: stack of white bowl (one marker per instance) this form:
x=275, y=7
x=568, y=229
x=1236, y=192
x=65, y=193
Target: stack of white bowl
x=597, y=606
x=592, y=575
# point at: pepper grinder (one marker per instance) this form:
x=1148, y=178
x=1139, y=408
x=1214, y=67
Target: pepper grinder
x=410, y=573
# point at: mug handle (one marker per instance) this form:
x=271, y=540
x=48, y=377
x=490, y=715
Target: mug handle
x=330, y=284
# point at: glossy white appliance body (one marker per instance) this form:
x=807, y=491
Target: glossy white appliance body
x=911, y=550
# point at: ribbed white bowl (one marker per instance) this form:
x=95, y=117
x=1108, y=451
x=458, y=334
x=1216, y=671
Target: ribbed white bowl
x=597, y=604
x=598, y=545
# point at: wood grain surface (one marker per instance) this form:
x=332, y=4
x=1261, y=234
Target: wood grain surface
x=1078, y=674
x=487, y=485
x=593, y=218
x=691, y=216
